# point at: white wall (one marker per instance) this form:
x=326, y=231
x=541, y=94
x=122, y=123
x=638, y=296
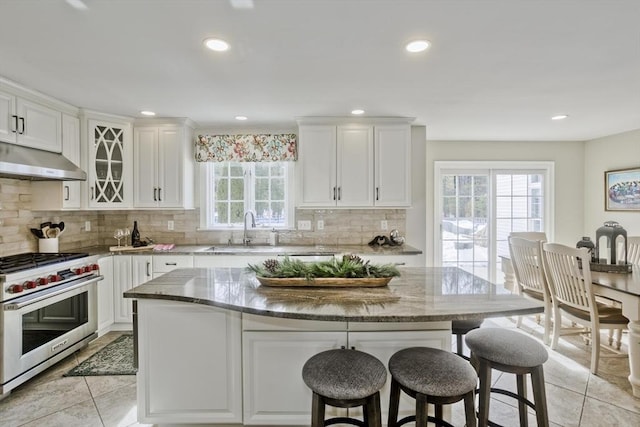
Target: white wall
x=619, y=151
x=569, y=168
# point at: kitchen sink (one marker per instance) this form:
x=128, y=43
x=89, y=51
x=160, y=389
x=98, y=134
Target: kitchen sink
x=265, y=249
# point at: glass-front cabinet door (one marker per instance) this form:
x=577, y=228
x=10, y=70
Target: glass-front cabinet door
x=110, y=165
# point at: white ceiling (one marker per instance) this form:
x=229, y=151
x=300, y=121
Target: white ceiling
x=497, y=69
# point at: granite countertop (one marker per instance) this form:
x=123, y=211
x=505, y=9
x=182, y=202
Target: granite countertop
x=419, y=294
x=265, y=250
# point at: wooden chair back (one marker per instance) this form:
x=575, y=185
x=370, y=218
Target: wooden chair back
x=633, y=250
x=526, y=258
x=570, y=285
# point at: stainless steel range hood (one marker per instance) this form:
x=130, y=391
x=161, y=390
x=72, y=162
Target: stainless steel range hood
x=28, y=163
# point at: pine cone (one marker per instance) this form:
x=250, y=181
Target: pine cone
x=271, y=265
x=353, y=258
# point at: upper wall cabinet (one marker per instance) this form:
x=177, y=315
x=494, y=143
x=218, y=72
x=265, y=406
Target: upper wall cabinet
x=110, y=164
x=29, y=123
x=163, y=166
x=61, y=195
x=355, y=165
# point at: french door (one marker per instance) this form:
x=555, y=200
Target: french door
x=479, y=203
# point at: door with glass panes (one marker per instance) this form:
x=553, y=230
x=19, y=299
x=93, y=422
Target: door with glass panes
x=477, y=208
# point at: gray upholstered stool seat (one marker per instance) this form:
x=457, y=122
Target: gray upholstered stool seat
x=431, y=376
x=345, y=378
x=513, y=352
x=459, y=328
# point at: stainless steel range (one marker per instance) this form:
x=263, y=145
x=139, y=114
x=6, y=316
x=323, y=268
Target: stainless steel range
x=48, y=310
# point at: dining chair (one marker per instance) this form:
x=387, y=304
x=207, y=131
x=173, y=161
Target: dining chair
x=526, y=258
x=572, y=296
x=633, y=250
x=529, y=235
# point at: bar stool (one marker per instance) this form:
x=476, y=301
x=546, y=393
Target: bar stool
x=345, y=379
x=434, y=376
x=512, y=352
x=459, y=328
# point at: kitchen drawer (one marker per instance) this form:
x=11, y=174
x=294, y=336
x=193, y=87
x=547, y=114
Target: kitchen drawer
x=165, y=263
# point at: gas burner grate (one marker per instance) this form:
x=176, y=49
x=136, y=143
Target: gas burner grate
x=26, y=261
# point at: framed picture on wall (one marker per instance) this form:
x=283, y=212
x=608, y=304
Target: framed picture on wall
x=622, y=190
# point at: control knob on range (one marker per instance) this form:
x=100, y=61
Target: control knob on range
x=78, y=271
x=30, y=284
x=15, y=289
x=54, y=278
x=43, y=281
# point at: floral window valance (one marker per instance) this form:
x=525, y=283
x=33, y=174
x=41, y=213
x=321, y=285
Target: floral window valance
x=246, y=148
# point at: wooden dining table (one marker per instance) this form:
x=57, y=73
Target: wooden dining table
x=622, y=287
x=625, y=288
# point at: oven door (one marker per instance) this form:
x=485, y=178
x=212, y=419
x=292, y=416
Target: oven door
x=39, y=326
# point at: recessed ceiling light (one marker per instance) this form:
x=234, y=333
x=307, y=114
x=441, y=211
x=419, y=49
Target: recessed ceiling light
x=357, y=112
x=241, y=117
x=217, y=45
x=559, y=117
x=417, y=46
x=147, y=113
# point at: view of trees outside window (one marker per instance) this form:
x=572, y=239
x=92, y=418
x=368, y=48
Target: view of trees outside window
x=239, y=187
x=479, y=210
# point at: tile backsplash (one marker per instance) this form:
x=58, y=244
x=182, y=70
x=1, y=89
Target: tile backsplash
x=341, y=226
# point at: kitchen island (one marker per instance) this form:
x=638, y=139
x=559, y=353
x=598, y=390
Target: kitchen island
x=214, y=346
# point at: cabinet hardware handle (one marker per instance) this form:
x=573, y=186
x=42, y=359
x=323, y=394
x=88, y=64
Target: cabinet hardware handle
x=342, y=347
x=15, y=122
x=66, y=189
x=155, y=197
x=92, y=194
x=377, y=193
x=334, y=193
x=399, y=263
x=353, y=347
x=159, y=194
x=148, y=265
x=22, y=121
x=339, y=193
x=171, y=263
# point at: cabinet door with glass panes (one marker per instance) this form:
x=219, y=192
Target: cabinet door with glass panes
x=110, y=164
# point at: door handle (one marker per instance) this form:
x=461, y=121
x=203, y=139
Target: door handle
x=155, y=196
x=159, y=194
x=22, y=121
x=92, y=193
x=334, y=193
x=15, y=124
x=339, y=193
x=148, y=272
x=377, y=193
x=66, y=189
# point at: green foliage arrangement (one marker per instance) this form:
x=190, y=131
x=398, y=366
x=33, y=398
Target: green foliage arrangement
x=351, y=266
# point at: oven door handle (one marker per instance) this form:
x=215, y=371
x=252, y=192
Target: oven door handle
x=17, y=305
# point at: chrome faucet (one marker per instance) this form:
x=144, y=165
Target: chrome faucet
x=245, y=240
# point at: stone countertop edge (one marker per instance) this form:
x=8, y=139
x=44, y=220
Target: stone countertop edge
x=262, y=250
x=415, y=296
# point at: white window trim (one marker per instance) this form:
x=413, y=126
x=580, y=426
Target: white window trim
x=468, y=167
x=205, y=183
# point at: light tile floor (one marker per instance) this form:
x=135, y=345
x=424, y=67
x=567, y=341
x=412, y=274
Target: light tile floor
x=574, y=396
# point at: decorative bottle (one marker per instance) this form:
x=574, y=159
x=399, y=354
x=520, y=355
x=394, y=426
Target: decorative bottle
x=135, y=235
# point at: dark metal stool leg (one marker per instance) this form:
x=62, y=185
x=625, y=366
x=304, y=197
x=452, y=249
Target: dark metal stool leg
x=522, y=392
x=484, y=373
x=317, y=411
x=422, y=410
x=373, y=417
x=394, y=402
x=469, y=409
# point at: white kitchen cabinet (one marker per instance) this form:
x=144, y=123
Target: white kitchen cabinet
x=336, y=165
x=355, y=165
x=110, y=164
x=128, y=271
x=392, y=165
x=196, y=377
x=162, y=264
x=61, y=195
x=105, y=295
x=121, y=283
x=163, y=167
x=273, y=389
x=29, y=123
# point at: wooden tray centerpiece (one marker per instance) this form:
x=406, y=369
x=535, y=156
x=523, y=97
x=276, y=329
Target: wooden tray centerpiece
x=352, y=271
